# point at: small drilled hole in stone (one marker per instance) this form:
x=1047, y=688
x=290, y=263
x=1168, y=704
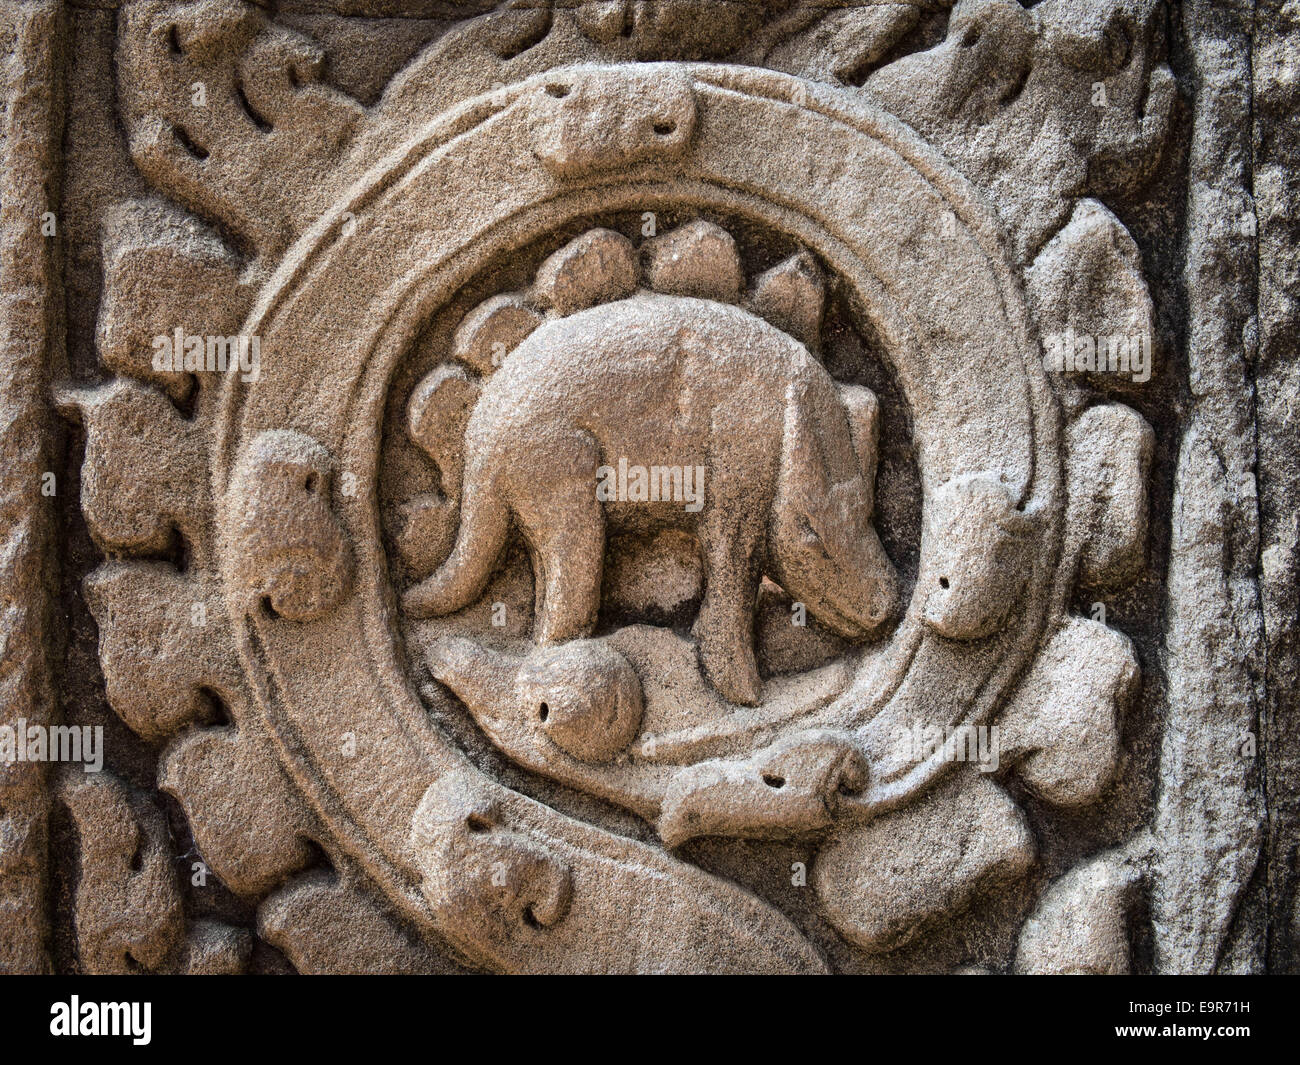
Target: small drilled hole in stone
x=773, y=781
x=663, y=129
x=943, y=582
x=558, y=91
x=477, y=823
x=543, y=712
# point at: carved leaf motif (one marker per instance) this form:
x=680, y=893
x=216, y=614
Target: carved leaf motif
x=163, y=271
x=128, y=907
x=1089, y=295
x=1110, y=449
x=881, y=883
x=249, y=825
x=1064, y=717
x=1010, y=95
x=1081, y=922
x=143, y=474
x=597, y=267
x=262, y=101
x=163, y=638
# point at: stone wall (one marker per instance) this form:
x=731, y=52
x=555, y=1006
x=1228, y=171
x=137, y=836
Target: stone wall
x=731, y=486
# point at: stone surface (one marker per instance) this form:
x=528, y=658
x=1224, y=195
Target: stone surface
x=648, y=487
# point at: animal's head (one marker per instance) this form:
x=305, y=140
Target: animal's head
x=824, y=549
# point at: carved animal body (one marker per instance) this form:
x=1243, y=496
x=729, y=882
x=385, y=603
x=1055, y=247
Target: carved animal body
x=665, y=380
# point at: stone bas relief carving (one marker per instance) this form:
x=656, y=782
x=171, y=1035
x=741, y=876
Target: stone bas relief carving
x=721, y=488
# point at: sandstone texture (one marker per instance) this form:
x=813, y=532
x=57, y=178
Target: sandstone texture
x=650, y=486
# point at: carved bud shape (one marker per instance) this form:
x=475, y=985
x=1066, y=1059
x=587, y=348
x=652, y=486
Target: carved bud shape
x=586, y=697
x=975, y=559
x=790, y=788
x=486, y=883
x=291, y=548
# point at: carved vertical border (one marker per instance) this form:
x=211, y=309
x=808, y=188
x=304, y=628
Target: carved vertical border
x=1276, y=149
x=31, y=66
x=1210, y=805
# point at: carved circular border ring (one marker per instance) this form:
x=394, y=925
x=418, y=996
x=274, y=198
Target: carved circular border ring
x=368, y=801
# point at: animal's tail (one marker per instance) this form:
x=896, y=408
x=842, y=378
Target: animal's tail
x=484, y=525
x=437, y=418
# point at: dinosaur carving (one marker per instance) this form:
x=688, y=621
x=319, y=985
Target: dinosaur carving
x=659, y=381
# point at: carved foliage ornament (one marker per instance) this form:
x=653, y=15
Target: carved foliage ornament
x=508, y=350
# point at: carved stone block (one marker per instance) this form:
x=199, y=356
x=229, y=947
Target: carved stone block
x=463, y=471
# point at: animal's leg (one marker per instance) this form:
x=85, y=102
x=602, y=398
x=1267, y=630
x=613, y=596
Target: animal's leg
x=565, y=530
x=731, y=534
